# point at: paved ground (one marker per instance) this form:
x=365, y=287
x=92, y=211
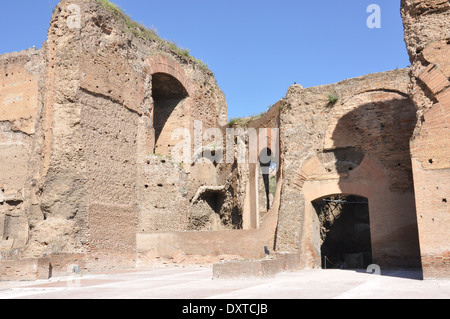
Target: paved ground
x=197, y=283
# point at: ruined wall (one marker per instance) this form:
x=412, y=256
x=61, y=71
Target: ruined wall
x=20, y=77
x=116, y=87
x=87, y=113
x=110, y=135
x=163, y=199
x=427, y=36
x=358, y=145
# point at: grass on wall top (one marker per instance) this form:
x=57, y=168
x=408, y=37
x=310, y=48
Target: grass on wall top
x=141, y=31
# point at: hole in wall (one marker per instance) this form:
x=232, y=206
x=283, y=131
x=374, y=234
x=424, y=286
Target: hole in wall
x=215, y=200
x=15, y=202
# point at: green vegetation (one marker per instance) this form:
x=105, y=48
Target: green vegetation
x=243, y=121
x=141, y=31
x=273, y=185
x=233, y=121
x=333, y=99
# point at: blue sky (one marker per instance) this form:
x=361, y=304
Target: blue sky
x=256, y=48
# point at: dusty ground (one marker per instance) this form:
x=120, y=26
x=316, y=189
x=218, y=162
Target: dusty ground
x=197, y=283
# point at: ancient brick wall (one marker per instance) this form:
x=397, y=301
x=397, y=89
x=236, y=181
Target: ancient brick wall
x=427, y=35
x=87, y=113
x=163, y=196
x=19, y=112
x=105, y=115
x=357, y=145
x=110, y=135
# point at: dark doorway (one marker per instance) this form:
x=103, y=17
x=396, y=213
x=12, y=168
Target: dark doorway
x=344, y=232
x=215, y=200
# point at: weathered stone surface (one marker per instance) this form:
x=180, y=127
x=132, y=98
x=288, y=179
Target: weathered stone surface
x=427, y=35
x=77, y=123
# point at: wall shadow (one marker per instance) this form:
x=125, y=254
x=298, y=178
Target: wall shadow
x=380, y=129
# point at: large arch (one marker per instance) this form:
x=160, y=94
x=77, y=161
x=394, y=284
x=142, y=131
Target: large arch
x=162, y=64
x=315, y=188
x=392, y=246
x=169, y=92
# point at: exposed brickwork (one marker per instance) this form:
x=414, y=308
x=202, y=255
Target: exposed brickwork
x=82, y=116
x=434, y=78
x=435, y=266
x=163, y=64
x=358, y=146
x=427, y=30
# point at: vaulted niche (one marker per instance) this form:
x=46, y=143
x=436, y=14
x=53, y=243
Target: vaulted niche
x=344, y=232
x=170, y=110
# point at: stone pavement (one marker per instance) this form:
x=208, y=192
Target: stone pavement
x=197, y=283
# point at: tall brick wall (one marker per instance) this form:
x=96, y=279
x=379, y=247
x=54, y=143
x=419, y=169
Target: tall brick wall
x=95, y=132
x=19, y=112
x=79, y=113
x=110, y=135
x=427, y=35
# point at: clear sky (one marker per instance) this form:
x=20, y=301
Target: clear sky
x=256, y=48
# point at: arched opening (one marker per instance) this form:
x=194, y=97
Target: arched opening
x=169, y=97
x=345, y=237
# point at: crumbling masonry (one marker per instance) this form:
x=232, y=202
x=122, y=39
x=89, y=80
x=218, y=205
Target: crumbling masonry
x=87, y=177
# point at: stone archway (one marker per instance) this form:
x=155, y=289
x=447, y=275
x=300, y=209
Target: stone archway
x=366, y=177
x=169, y=107
x=392, y=237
